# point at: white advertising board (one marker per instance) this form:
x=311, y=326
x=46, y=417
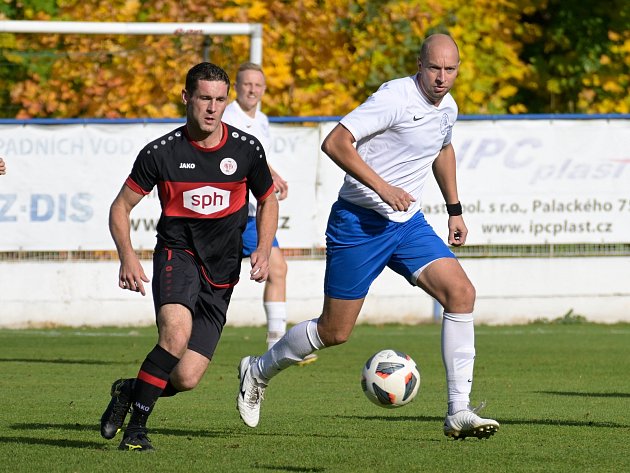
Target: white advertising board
x=61, y=180
x=538, y=181
x=520, y=181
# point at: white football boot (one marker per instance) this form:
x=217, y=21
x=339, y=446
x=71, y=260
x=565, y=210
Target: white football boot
x=250, y=394
x=466, y=423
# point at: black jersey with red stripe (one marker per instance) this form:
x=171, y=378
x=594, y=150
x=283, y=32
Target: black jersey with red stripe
x=203, y=193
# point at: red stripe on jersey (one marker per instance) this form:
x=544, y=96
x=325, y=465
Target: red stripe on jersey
x=268, y=193
x=153, y=380
x=135, y=187
x=202, y=199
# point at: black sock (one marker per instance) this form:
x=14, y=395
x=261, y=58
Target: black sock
x=150, y=383
x=169, y=390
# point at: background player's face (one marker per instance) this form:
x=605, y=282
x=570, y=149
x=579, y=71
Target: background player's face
x=250, y=87
x=205, y=106
x=439, y=70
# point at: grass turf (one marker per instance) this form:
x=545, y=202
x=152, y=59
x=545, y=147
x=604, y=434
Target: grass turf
x=560, y=392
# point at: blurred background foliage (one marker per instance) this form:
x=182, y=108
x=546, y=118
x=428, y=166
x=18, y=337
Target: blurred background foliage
x=321, y=57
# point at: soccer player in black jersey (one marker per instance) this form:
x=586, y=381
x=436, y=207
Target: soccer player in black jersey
x=204, y=171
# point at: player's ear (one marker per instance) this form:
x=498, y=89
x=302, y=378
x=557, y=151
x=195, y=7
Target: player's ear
x=185, y=97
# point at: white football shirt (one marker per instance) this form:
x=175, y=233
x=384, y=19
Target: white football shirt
x=399, y=134
x=257, y=126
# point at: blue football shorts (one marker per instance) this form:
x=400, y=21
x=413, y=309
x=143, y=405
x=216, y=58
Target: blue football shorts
x=250, y=238
x=360, y=243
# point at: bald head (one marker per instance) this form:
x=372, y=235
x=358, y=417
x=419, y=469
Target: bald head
x=439, y=42
x=438, y=66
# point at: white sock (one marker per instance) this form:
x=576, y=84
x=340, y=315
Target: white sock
x=300, y=340
x=458, y=355
x=276, y=313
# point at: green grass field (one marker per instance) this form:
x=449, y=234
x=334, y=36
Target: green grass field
x=560, y=391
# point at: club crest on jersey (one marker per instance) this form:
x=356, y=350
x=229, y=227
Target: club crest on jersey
x=228, y=166
x=444, y=124
x=206, y=200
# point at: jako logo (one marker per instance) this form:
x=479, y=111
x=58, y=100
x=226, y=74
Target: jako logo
x=206, y=200
x=186, y=165
x=141, y=406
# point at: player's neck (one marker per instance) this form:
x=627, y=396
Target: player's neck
x=420, y=87
x=204, y=139
x=249, y=111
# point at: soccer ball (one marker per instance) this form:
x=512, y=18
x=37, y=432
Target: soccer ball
x=390, y=379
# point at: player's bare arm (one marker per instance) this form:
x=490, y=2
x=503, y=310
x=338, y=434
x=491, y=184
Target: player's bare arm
x=339, y=146
x=444, y=170
x=266, y=225
x=131, y=274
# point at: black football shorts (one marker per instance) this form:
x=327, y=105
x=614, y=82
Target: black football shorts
x=178, y=279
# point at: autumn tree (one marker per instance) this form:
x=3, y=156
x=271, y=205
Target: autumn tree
x=579, y=51
x=321, y=57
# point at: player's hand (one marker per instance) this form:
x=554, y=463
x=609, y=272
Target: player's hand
x=260, y=267
x=457, y=231
x=397, y=198
x=131, y=276
x=282, y=186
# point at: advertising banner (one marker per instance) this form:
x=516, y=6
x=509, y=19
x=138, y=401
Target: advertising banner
x=520, y=182
x=540, y=181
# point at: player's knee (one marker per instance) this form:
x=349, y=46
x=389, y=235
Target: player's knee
x=460, y=297
x=278, y=270
x=175, y=345
x=278, y=266
x=468, y=293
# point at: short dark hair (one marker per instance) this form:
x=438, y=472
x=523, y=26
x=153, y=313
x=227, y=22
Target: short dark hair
x=205, y=71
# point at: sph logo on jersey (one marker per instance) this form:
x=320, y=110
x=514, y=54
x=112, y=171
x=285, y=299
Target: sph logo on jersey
x=206, y=200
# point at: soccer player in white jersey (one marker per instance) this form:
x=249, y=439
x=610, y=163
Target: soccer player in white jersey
x=244, y=113
x=402, y=132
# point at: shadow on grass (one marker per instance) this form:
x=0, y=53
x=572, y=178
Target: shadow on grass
x=103, y=445
x=95, y=428
x=564, y=423
x=61, y=361
x=236, y=432
x=578, y=394
x=51, y=442
x=287, y=468
x=239, y=432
